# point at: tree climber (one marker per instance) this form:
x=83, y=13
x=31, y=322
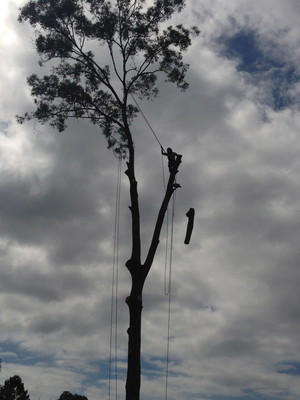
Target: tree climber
x=172, y=157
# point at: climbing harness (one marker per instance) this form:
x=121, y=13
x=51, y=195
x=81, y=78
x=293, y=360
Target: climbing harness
x=113, y=339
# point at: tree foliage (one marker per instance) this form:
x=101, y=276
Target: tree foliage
x=13, y=389
x=69, y=396
x=92, y=83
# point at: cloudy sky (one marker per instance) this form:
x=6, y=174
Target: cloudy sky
x=235, y=317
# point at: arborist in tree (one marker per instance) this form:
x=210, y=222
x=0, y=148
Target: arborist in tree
x=172, y=157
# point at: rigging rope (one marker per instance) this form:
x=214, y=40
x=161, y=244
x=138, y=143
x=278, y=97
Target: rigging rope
x=113, y=339
x=147, y=122
x=155, y=135
x=168, y=285
x=169, y=249
x=163, y=174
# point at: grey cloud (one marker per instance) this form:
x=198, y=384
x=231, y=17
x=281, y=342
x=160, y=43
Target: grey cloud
x=53, y=286
x=233, y=348
x=48, y=324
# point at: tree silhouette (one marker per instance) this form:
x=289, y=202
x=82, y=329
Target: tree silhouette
x=13, y=389
x=70, y=396
x=70, y=35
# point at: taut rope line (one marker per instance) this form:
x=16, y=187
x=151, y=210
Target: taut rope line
x=113, y=340
x=169, y=249
x=168, y=292
x=147, y=122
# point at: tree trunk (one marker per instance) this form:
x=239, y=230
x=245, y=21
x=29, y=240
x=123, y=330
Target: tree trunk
x=140, y=271
x=133, y=382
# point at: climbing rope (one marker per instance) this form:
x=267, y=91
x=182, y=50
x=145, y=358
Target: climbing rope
x=155, y=136
x=146, y=120
x=168, y=285
x=168, y=251
x=113, y=339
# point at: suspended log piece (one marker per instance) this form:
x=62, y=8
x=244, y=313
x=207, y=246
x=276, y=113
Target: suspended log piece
x=190, y=225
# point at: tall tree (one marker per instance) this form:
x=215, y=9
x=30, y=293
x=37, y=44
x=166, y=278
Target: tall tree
x=13, y=389
x=140, y=47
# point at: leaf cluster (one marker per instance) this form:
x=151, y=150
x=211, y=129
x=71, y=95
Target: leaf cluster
x=71, y=33
x=70, y=396
x=13, y=389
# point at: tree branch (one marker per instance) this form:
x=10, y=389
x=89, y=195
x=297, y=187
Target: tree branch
x=171, y=187
x=135, y=259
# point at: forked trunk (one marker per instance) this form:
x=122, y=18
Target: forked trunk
x=140, y=271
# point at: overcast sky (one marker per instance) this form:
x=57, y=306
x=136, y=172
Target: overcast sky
x=235, y=318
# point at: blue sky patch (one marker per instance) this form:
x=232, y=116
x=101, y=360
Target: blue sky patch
x=244, y=46
x=248, y=395
x=14, y=353
x=289, y=368
x=264, y=68
x=4, y=127
x=156, y=366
